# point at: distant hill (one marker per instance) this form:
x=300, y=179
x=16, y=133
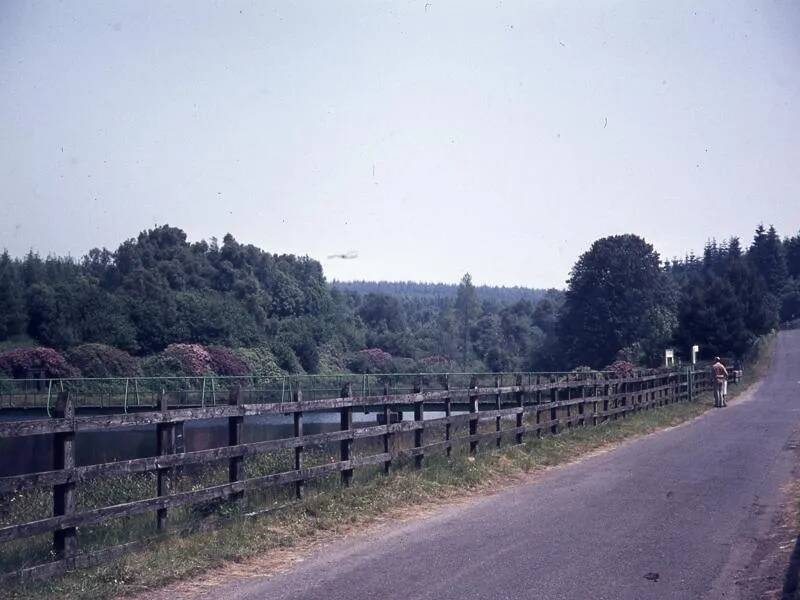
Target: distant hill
x=413, y=289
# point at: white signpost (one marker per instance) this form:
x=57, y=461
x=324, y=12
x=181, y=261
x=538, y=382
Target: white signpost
x=695, y=350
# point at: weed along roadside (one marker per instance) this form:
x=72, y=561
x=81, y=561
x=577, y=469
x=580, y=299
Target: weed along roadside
x=232, y=531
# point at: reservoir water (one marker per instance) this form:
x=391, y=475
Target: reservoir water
x=35, y=453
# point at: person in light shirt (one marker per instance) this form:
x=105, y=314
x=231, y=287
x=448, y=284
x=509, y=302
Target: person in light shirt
x=720, y=379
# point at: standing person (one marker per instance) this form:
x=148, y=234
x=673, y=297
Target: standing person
x=720, y=377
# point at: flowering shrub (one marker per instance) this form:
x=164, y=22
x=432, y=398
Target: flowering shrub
x=436, y=364
x=99, y=360
x=35, y=362
x=194, y=358
x=622, y=368
x=435, y=360
x=371, y=360
x=224, y=361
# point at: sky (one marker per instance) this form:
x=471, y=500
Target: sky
x=429, y=138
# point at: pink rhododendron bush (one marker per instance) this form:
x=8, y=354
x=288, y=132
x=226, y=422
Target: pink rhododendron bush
x=436, y=364
x=622, y=368
x=99, y=360
x=194, y=359
x=225, y=361
x=35, y=362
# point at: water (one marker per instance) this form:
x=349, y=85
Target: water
x=35, y=453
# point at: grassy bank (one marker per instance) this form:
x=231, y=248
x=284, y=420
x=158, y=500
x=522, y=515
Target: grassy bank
x=331, y=511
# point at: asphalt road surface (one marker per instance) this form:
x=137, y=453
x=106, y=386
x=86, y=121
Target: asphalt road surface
x=686, y=513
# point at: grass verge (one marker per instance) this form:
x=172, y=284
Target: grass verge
x=329, y=513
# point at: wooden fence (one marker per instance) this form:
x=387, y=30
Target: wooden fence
x=514, y=408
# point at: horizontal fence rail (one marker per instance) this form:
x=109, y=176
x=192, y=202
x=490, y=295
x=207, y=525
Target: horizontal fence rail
x=509, y=406
x=134, y=393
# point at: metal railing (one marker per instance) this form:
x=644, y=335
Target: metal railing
x=130, y=393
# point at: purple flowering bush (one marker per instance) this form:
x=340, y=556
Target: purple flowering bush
x=35, y=362
x=225, y=361
x=436, y=364
x=622, y=368
x=99, y=360
x=193, y=358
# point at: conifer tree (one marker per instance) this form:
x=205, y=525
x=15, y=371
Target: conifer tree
x=467, y=307
x=767, y=256
x=12, y=305
x=792, y=249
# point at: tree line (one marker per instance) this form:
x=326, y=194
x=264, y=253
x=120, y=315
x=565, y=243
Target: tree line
x=623, y=303
x=497, y=294
x=160, y=305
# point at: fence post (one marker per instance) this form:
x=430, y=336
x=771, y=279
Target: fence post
x=448, y=412
x=670, y=393
x=235, y=426
x=554, y=397
x=387, y=437
x=498, y=404
x=676, y=396
x=419, y=421
x=644, y=389
x=65, y=541
x=662, y=392
x=521, y=406
x=165, y=444
x=474, y=407
x=538, y=398
x=569, y=404
x=298, y=450
x=346, y=423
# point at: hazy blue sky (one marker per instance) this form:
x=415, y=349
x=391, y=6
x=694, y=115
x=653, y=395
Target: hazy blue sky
x=430, y=137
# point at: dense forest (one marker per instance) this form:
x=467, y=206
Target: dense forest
x=435, y=291
x=160, y=305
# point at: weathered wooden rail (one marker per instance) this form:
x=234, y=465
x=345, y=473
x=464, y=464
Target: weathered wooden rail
x=533, y=404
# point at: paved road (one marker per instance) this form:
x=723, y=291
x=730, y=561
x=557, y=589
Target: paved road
x=695, y=504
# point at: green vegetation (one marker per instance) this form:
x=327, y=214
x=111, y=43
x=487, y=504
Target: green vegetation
x=499, y=295
x=619, y=298
x=159, y=305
